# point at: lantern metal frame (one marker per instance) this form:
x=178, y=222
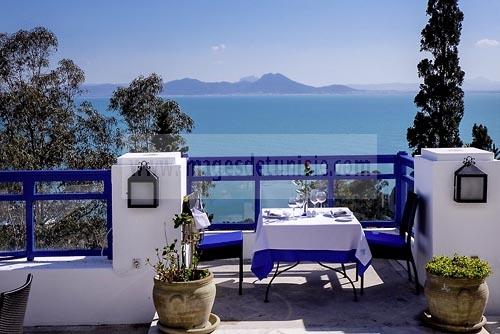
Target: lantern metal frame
x=469, y=170
x=143, y=175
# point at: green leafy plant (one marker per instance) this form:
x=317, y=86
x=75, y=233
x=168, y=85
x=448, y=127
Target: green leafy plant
x=458, y=267
x=304, y=187
x=174, y=266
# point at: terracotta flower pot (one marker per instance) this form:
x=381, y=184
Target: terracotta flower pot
x=456, y=301
x=184, y=305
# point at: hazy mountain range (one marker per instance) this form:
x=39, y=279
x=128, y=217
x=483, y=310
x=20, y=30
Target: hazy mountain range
x=276, y=83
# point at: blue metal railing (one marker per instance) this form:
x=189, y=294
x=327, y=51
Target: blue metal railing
x=254, y=165
x=29, y=196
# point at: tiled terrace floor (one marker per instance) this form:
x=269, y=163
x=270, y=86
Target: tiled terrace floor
x=308, y=299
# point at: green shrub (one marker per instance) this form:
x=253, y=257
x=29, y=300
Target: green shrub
x=458, y=267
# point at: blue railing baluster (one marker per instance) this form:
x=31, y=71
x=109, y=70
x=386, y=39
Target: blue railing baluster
x=108, y=191
x=257, y=174
x=29, y=193
x=330, y=170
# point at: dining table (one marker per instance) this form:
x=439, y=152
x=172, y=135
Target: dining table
x=322, y=235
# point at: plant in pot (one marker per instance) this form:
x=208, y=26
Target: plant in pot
x=457, y=292
x=183, y=295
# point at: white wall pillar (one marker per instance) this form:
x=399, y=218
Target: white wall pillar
x=138, y=231
x=445, y=227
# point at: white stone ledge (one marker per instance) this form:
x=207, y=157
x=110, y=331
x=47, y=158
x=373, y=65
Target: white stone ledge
x=60, y=262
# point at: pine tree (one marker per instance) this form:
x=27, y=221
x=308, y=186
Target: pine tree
x=440, y=98
x=482, y=140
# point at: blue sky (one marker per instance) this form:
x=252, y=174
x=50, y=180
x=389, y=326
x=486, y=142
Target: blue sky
x=315, y=42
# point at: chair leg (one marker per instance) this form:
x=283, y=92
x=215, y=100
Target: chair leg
x=362, y=284
x=240, y=288
x=343, y=269
x=357, y=273
x=408, y=269
x=417, y=285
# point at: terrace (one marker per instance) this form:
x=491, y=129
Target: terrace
x=110, y=284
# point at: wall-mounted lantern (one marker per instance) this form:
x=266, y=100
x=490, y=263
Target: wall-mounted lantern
x=143, y=188
x=471, y=183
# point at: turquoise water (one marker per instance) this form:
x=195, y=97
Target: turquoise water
x=312, y=124
x=300, y=125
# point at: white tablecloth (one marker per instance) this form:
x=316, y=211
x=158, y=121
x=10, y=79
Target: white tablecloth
x=312, y=233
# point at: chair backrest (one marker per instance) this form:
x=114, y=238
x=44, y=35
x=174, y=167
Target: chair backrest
x=408, y=218
x=13, y=308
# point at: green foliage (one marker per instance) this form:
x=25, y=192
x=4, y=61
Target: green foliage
x=182, y=219
x=174, y=266
x=154, y=123
x=169, y=269
x=41, y=127
x=304, y=187
x=482, y=140
x=367, y=199
x=440, y=98
x=458, y=267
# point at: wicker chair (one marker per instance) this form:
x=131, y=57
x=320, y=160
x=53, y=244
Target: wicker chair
x=13, y=308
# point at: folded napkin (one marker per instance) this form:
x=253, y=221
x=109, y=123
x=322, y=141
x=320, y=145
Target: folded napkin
x=273, y=213
x=341, y=213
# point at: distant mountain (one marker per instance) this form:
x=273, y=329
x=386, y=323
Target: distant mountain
x=271, y=83
x=276, y=83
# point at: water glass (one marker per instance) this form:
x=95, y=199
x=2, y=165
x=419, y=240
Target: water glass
x=313, y=197
x=292, y=203
x=321, y=197
x=300, y=200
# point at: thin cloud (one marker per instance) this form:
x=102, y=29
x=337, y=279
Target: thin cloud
x=218, y=47
x=487, y=43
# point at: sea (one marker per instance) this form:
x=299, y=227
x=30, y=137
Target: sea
x=313, y=124
x=304, y=125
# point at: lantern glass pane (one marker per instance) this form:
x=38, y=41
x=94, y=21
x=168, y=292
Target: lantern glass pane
x=142, y=193
x=472, y=188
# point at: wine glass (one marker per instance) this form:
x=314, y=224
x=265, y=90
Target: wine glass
x=292, y=203
x=321, y=197
x=300, y=200
x=313, y=197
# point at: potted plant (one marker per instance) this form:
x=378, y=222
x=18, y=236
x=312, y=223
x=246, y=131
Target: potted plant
x=457, y=292
x=183, y=295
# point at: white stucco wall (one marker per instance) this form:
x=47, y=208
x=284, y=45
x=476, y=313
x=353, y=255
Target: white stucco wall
x=445, y=227
x=90, y=291
x=81, y=291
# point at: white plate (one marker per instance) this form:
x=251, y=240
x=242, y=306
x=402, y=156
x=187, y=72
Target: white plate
x=334, y=214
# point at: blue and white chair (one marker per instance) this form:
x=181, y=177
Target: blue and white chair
x=397, y=246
